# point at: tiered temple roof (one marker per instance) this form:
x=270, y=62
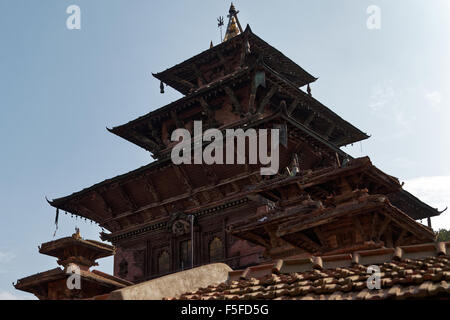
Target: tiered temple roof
x=330, y=203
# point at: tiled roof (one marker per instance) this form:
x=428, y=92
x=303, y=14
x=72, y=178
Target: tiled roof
x=419, y=271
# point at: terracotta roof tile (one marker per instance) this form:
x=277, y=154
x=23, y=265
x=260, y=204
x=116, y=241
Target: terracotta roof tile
x=407, y=272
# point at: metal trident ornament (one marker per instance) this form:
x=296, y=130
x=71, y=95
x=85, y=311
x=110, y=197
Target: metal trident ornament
x=220, y=23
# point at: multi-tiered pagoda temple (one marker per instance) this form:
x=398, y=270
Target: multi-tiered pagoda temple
x=322, y=201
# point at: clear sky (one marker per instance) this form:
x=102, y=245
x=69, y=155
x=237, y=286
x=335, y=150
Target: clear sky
x=60, y=89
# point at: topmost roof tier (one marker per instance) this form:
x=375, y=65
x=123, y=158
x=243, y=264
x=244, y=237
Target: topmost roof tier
x=226, y=58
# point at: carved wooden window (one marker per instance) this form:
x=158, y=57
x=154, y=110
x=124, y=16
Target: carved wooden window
x=215, y=250
x=185, y=254
x=164, y=262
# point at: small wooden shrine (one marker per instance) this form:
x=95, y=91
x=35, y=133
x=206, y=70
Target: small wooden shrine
x=76, y=256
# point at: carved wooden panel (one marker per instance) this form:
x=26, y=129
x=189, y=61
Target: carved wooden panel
x=185, y=254
x=215, y=250
x=164, y=262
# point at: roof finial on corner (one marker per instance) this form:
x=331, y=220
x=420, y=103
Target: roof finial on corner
x=234, y=26
x=77, y=234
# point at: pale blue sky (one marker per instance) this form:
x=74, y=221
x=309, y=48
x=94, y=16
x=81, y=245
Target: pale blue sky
x=59, y=89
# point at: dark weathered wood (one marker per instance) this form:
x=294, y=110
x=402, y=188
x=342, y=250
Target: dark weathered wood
x=293, y=106
x=186, y=83
x=104, y=203
x=359, y=228
x=252, y=97
x=267, y=98
x=200, y=76
x=330, y=130
x=183, y=177
x=127, y=198
x=257, y=239
x=309, y=243
x=374, y=226
x=223, y=61
x=309, y=120
x=321, y=236
x=233, y=99
x=401, y=237
x=384, y=225
x=152, y=189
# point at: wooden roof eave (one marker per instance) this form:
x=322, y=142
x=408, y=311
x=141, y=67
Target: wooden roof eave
x=407, y=202
x=313, y=134
x=64, y=202
x=59, y=202
x=355, y=136
x=372, y=203
x=127, y=132
x=167, y=76
x=53, y=247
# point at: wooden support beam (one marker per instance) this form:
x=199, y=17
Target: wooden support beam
x=309, y=243
x=321, y=237
x=126, y=197
x=179, y=123
x=87, y=212
x=226, y=66
x=252, y=98
x=359, y=228
x=234, y=100
x=401, y=237
x=105, y=204
x=183, y=82
x=152, y=189
x=329, y=131
x=273, y=236
x=309, y=120
x=273, y=195
x=235, y=187
x=384, y=225
x=206, y=195
x=208, y=111
x=293, y=106
x=145, y=141
x=201, y=78
x=267, y=98
x=388, y=237
x=182, y=176
x=257, y=239
x=155, y=133
x=202, y=191
x=374, y=226
x=195, y=200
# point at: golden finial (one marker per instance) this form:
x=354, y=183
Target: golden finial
x=234, y=27
x=77, y=234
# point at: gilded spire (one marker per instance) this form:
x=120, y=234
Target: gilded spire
x=234, y=27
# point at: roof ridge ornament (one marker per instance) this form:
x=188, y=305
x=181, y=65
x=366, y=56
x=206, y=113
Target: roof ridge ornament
x=234, y=26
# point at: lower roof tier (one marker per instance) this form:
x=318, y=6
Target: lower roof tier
x=143, y=200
